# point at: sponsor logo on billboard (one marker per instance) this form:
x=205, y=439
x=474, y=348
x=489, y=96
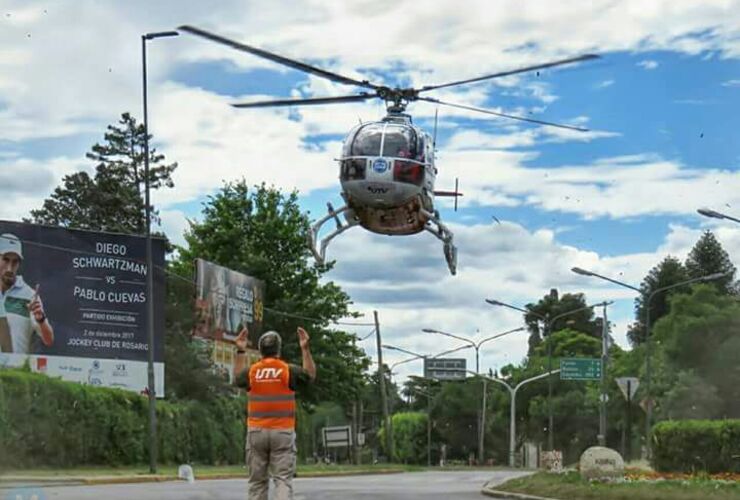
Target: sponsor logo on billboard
x=95, y=374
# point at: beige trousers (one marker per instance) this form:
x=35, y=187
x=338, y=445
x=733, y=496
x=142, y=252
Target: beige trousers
x=271, y=453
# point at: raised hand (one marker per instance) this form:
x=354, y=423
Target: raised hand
x=303, y=338
x=242, y=340
x=35, y=306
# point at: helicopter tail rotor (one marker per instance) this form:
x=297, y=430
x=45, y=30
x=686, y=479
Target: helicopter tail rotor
x=456, y=194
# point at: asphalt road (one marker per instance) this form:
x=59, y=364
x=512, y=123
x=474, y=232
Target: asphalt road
x=441, y=485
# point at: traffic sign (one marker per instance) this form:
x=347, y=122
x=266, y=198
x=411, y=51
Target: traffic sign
x=628, y=386
x=445, y=368
x=337, y=437
x=580, y=369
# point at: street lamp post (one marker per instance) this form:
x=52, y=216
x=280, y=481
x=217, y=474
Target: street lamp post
x=548, y=323
x=706, y=212
x=429, y=387
x=477, y=346
x=648, y=342
x=512, y=410
x=149, y=262
x=473, y=344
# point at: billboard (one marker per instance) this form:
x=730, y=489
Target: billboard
x=226, y=302
x=445, y=368
x=75, y=304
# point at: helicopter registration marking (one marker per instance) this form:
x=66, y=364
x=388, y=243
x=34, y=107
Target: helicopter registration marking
x=377, y=189
x=380, y=165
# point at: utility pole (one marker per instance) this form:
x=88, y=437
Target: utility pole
x=383, y=393
x=604, y=360
x=482, y=433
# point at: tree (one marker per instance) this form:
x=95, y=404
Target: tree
x=262, y=232
x=552, y=305
x=409, y=437
x=708, y=257
x=668, y=272
x=111, y=200
x=699, y=338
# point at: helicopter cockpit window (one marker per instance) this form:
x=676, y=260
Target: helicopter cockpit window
x=353, y=169
x=367, y=140
x=400, y=142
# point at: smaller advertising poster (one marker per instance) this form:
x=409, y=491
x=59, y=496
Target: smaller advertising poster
x=227, y=301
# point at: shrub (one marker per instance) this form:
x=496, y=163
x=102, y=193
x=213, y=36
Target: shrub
x=48, y=422
x=697, y=445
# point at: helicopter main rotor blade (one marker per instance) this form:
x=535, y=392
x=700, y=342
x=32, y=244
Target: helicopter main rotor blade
x=504, y=115
x=291, y=63
x=561, y=62
x=305, y=102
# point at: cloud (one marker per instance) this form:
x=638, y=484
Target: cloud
x=604, y=84
x=25, y=183
x=731, y=83
x=406, y=280
x=617, y=187
x=648, y=64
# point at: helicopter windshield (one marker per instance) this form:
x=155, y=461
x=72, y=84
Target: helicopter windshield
x=367, y=140
x=400, y=142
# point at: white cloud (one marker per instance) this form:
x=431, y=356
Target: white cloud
x=731, y=83
x=504, y=262
x=648, y=64
x=604, y=84
x=25, y=183
x=610, y=187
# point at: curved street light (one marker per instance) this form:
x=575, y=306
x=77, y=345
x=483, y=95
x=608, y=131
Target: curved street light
x=477, y=346
x=548, y=323
x=512, y=410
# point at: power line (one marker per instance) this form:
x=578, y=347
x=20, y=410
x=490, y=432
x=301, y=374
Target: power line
x=192, y=282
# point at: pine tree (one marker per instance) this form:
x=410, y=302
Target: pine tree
x=112, y=199
x=552, y=305
x=708, y=257
x=668, y=272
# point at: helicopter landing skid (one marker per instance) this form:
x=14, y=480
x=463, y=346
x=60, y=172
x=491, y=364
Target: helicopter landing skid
x=443, y=233
x=319, y=252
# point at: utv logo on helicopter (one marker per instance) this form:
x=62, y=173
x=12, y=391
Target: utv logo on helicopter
x=377, y=189
x=380, y=165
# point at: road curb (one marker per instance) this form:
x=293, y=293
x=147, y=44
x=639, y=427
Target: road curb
x=509, y=496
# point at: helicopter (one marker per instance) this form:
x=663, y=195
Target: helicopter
x=387, y=168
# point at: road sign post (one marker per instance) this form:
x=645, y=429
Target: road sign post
x=628, y=386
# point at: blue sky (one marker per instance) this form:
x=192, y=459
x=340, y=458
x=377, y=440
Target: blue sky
x=661, y=104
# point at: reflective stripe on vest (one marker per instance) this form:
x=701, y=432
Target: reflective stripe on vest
x=271, y=403
x=286, y=397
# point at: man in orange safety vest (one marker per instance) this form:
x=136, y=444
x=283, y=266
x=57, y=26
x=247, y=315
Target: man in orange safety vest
x=271, y=408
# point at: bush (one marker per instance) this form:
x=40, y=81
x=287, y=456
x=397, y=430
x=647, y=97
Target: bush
x=697, y=445
x=409, y=431
x=48, y=422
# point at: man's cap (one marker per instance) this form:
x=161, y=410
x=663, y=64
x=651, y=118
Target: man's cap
x=10, y=243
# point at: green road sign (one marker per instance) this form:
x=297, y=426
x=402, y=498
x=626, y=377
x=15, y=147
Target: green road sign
x=580, y=369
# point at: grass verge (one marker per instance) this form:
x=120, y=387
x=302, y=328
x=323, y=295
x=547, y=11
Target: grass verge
x=571, y=486
x=201, y=471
